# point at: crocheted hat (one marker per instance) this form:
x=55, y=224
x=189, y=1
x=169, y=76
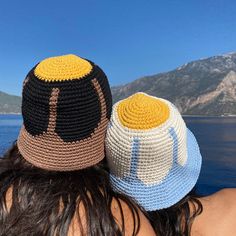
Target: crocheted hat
x=66, y=107
x=152, y=155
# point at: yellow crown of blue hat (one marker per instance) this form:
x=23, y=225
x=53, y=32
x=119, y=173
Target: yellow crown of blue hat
x=142, y=112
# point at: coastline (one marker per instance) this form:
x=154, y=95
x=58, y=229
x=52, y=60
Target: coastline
x=200, y=116
x=11, y=113
x=209, y=116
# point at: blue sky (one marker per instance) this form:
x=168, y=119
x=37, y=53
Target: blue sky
x=127, y=38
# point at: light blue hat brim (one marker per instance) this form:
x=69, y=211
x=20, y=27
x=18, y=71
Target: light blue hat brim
x=177, y=184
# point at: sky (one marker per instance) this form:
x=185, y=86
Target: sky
x=128, y=39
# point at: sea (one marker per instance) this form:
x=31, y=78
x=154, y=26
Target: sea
x=216, y=137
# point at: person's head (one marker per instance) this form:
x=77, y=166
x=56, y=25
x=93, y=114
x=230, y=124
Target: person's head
x=56, y=167
x=66, y=105
x=153, y=157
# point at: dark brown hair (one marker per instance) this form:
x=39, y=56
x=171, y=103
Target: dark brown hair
x=177, y=219
x=45, y=202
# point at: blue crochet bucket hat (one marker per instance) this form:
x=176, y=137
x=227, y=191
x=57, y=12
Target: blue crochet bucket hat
x=153, y=157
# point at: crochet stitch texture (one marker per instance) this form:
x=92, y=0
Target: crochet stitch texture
x=140, y=112
x=152, y=155
x=66, y=107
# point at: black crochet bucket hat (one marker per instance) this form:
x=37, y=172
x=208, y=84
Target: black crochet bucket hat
x=66, y=107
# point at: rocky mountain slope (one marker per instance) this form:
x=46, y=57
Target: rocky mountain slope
x=9, y=103
x=203, y=87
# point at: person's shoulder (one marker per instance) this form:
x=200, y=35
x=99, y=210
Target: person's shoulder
x=145, y=226
x=224, y=199
x=219, y=214
x=227, y=194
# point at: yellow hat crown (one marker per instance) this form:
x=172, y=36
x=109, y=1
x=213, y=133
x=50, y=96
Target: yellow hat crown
x=141, y=111
x=62, y=68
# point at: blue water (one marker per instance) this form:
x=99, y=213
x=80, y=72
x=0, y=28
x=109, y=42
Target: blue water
x=216, y=137
x=9, y=130
x=217, y=140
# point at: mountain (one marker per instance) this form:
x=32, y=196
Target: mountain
x=9, y=103
x=202, y=87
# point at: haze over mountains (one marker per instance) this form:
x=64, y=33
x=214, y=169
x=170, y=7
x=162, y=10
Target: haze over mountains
x=202, y=87
x=9, y=103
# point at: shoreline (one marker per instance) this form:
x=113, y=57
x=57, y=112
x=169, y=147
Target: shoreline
x=209, y=116
x=10, y=113
x=200, y=116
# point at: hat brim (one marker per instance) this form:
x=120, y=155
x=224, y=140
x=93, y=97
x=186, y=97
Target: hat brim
x=177, y=184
